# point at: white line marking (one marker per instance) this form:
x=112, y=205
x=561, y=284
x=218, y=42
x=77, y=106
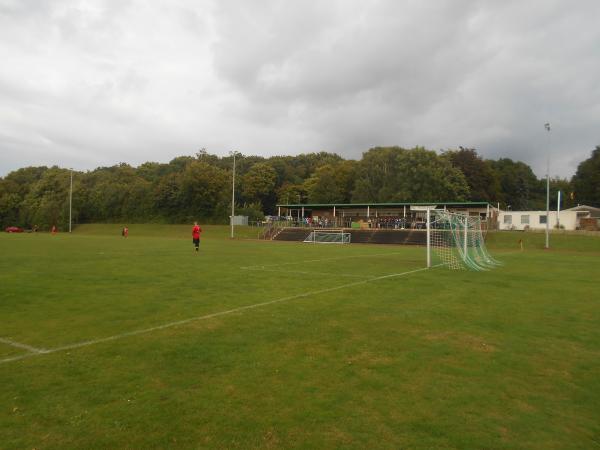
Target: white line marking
x=16, y=358
x=23, y=346
x=209, y=316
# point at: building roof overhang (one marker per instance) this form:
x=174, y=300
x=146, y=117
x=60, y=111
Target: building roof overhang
x=385, y=205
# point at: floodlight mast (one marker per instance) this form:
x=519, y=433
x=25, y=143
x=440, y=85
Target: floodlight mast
x=428, y=238
x=547, y=127
x=232, y=193
x=71, y=200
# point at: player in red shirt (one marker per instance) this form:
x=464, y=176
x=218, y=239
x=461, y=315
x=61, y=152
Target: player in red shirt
x=196, y=235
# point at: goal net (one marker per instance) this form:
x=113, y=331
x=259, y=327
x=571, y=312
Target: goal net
x=328, y=237
x=457, y=241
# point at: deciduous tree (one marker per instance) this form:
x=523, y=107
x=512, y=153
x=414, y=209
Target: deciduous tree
x=586, y=181
x=394, y=174
x=258, y=185
x=483, y=184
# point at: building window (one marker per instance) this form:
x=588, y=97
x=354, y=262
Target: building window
x=542, y=219
x=525, y=219
x=507, y=220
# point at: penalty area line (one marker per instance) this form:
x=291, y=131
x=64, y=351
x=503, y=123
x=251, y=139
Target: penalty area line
x=207, y=316
x=16, y=344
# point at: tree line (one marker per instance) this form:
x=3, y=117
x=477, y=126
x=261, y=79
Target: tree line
x=199, y=187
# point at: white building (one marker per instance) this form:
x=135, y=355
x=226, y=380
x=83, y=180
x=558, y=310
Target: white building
x=536, y=220
x=585, y=212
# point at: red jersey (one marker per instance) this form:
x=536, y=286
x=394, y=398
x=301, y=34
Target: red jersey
x=196, y=231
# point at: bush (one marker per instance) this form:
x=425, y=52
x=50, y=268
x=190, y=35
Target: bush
x=253, y=211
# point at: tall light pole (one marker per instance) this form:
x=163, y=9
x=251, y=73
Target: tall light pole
x=71, y=200
x=547, y=126
x=232, y=193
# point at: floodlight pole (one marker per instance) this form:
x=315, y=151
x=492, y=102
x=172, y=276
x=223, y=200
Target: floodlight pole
x=428, y=238
x=558, y=211
x=232, y=195
x=71, y=200
x=547, y=126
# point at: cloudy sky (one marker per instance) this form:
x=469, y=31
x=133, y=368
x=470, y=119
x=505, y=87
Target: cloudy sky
x=91, y=83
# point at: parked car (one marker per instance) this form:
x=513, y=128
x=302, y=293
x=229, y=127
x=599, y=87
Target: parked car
x=14, y=230
x=277, y=218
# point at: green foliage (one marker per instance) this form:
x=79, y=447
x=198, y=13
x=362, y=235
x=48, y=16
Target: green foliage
x=258, y=184
x=168, y=196
x=482, y=181
x=586, y=181
x=566, y=188
x=47, y=203
x=331, y=183
x=13, y=190
x=519, y=186
x=9, y=207
x=204, y=191
x=291, y=193
x=296, y=169
x=199, y=187
x=388, y=174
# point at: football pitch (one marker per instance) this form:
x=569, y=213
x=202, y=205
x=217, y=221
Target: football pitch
x=107, y=342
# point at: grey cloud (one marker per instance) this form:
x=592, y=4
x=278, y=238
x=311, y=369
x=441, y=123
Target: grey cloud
x=136, y=81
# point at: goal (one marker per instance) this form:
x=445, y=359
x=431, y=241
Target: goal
x=457, y=242
x=328, y=237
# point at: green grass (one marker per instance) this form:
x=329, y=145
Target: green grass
x=508, y=358
x=167, y=231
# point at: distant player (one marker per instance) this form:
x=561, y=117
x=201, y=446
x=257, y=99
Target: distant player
x=54, y=229
x=196, y=235
x=125, y=231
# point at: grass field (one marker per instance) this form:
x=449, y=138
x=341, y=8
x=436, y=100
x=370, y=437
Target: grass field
x=138, y=343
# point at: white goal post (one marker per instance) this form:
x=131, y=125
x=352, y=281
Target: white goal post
x=328, y=237
x=427, y=209
x=456, y=239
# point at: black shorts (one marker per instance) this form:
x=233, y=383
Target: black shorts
x=196, y=242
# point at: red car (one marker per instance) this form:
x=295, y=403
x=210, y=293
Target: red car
x=14, y=230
